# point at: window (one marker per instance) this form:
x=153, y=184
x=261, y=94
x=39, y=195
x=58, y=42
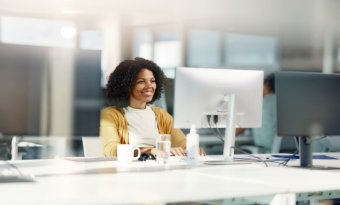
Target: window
x=204, y=48
x=91, y=39
x=40, y=32
x=167, y=52
x=142, y=43
x=162, y=47
x=250, y=50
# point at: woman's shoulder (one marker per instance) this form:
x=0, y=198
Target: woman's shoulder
x=112, y=110
x=159, y=110
x=161, y=113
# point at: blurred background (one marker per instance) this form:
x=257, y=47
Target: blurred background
x=56, y=55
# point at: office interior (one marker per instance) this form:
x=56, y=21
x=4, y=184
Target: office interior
x=55, y=59
x=57, y=56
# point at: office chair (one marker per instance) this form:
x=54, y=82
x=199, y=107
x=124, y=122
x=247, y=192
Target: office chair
x=253, y=149
x=92, y=146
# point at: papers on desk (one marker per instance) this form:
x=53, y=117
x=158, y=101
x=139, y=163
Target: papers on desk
x=219, y=160
x=226, y=162
x=291, y=156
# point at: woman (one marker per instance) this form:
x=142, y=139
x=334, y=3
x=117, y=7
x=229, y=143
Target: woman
x=132, y=86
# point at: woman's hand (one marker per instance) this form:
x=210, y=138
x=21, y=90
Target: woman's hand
x=202, y=152
x=177, y=151
x=148, y=150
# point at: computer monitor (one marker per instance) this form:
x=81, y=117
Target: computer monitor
x=22, y=73
x=307, y=106
x=231, y=97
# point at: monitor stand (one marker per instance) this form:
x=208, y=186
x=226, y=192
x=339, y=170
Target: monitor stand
x=305, y=149
x=229, y=138
x=306, y=154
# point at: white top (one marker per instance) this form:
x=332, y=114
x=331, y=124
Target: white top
x=142, y=126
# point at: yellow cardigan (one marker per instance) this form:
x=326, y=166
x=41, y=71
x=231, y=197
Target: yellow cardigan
x=114, y=129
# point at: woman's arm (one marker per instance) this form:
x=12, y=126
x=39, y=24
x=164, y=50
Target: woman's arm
x=113, y=130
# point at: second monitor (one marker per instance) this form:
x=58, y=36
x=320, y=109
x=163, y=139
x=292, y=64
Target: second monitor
x=225, y=98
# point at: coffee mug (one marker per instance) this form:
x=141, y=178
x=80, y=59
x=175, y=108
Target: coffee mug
x=125, y=153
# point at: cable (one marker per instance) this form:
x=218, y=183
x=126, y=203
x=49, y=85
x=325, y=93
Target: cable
x=284, y=163
x=317, y=139
x=208, y=120
x=215, y=119
x=253, y=156
x=14, y=167
x=217, y=134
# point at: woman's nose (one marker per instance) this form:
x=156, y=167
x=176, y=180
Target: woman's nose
x=149, y=84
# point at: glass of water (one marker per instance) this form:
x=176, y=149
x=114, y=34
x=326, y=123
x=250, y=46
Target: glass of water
x=163, y=146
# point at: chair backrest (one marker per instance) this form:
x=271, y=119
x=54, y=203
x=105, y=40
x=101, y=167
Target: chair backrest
x=276, y=144
x=253, y=149
x=92, y=147
x=288, y=145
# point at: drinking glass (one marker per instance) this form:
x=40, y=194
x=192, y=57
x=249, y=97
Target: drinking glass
x=163, y=146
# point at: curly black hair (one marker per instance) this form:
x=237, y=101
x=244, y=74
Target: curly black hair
x=122, y=78
x=270, y=80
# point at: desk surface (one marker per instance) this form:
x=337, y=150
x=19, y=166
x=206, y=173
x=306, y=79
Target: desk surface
x=108, y=182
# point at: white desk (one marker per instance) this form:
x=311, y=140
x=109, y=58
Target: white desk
x=149, y=183
x=309, y=184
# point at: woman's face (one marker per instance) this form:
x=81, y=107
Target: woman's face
x=143, y=89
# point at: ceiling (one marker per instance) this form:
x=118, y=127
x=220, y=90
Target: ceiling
x=302, y=12
x=301, y=25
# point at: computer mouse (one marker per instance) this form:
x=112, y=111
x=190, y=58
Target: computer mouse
x=145, y=157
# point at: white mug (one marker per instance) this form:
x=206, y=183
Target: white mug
x=125, y=153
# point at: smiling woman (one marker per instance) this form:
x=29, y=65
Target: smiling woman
x=130, y=119
x=143, y=89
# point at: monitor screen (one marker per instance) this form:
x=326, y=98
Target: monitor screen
x=202, y=91
x=218, y=98
x=88, y=94
x=308, y=104
x=25, y=74
x=21, y=71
